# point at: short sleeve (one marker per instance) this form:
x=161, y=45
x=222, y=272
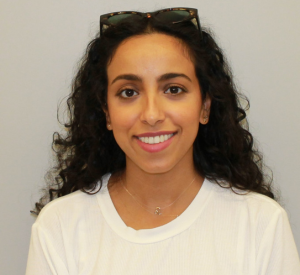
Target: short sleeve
x=46, y=251
x=277, y=253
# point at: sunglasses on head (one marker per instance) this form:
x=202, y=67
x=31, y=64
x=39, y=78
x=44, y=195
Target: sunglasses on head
x=168, y=16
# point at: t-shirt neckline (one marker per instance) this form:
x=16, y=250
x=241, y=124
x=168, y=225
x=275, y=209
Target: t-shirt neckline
x=176, y=226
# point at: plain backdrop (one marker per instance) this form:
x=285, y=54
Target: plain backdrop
x=41, y=43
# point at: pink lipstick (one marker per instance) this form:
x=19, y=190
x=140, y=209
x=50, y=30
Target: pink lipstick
x=155, y=147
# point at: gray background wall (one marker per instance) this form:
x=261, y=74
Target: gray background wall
x=41, y=42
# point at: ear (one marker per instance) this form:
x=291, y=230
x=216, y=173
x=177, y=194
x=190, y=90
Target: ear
x=205, y=110
x=108, y=122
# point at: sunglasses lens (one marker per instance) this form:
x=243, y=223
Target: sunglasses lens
x=119, y=17
x=172, y=16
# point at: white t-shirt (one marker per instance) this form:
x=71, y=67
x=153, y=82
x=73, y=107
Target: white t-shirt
x=220, y=233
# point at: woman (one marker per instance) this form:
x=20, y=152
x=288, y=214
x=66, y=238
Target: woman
x=158, y=173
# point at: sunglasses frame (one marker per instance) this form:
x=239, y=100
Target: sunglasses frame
x=193, y=14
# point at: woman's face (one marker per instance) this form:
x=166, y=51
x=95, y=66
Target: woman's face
x=154, y=102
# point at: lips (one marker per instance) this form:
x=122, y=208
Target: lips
x=153, y=134
x=155, y=141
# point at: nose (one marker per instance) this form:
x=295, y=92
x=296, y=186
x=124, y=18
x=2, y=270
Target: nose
x=152, y=110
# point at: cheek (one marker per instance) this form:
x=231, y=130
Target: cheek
x=187, y=113
x=122, y=119
x=188, y=119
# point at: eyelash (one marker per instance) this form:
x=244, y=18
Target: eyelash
x=171, y=86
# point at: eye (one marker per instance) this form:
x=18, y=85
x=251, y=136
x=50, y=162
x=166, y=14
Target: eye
x=127, y=93
x=174, y=90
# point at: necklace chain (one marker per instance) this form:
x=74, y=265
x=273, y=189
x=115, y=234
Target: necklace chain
x=158, y=209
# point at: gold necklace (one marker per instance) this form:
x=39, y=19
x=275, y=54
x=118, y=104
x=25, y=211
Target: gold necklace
x=158, y=209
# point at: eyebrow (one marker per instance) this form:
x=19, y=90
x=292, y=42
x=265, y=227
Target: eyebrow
x=163, y=77
x=172, y=75
x=127, y=77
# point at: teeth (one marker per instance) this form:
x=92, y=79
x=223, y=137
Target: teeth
x=156, y=139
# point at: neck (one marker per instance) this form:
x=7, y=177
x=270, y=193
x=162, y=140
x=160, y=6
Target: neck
x=161, y=189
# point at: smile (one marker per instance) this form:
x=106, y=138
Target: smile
x=154, y=143
x=155, y=139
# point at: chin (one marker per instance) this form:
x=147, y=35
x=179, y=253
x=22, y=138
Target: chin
x=156, y=169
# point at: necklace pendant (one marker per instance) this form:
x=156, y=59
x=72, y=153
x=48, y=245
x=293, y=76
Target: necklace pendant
x=157, y=211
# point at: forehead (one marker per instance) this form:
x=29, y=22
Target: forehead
x=148, y=52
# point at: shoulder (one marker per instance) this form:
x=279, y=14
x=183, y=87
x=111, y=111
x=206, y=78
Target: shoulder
x=64, y=204
x=252, y=208
x=249, y=199
x=67, y=210
x=253, y=216
x=73, y=207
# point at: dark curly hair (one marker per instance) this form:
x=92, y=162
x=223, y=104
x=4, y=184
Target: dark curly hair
x=223, y=149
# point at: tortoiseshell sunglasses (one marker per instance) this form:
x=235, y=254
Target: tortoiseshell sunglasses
x=171, y=15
